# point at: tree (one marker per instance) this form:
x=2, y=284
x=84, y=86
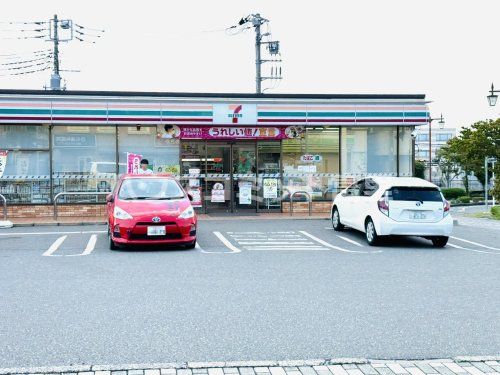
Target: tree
x=469, y=149
x=449, y=168
x=419, y=168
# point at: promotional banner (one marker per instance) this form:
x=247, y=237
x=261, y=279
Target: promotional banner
x=196, y=194
x=3, y=161
x=270, y=187
x=133, y=163
x=239, y=132
x=218, y=193
x=245, y=191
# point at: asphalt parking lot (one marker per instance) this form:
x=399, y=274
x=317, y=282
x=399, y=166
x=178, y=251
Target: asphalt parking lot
x=255, y=289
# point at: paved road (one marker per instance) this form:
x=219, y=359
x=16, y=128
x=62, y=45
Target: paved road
x=258, y=289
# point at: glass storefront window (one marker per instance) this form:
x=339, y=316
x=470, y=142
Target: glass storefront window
x=161, y=153
x=323, y=144
x=84, y=159
x=295, y=175
x=24, y=137
x=26, y=177
x=367, y=150
x=405, y=151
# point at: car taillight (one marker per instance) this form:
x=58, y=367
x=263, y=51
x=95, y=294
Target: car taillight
x=383, y=205
x=446, y=207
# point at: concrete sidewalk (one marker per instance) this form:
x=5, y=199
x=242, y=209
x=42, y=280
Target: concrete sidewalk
x=335, y=366
x=83, y=220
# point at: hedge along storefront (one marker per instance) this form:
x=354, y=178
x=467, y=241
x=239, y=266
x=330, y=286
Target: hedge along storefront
x=236, y=152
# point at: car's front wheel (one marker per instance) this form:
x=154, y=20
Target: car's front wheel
x=191, y=245
x=336, y=224
x=111, y=243
x=371, y=233
x=439, y=241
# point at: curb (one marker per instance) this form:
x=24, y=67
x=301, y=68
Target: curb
x=48, y=224
x=221, y=364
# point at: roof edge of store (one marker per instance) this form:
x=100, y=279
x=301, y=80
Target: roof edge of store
x=157, y=94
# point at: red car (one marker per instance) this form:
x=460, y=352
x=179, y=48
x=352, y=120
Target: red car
x=150, y=209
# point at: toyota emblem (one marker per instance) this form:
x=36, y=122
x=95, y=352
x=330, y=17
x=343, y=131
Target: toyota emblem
x=156, y=219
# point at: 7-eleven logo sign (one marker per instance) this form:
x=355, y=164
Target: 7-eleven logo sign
x=236, y=114
x=242, y=114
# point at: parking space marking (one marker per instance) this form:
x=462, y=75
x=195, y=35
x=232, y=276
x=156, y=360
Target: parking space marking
x=275, y=241
x=475, y=243
x=474, y=250
x=55, y=245
x=227, y=243
x=324, y=243
x=350, y=241
x=90, y=245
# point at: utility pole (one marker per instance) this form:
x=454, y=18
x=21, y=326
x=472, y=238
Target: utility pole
x=55, y=79
x=258, y=63
x=256, y=21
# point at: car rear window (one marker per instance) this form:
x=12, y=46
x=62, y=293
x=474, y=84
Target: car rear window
x=415, y=194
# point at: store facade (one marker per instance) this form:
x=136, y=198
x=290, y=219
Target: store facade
x=232, y=152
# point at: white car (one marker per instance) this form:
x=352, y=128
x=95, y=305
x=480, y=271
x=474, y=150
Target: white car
x=385, y=206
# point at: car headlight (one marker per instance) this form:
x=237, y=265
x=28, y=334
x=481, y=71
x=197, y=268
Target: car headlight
x=121, y=214
x=188, y=213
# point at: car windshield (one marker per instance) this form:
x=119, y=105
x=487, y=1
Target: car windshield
x=415, y=194
x=150, y=188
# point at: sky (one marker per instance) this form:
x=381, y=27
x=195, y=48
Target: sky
x=445, y=49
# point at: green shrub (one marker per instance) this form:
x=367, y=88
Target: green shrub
x=453, y=193
x=495, y=212
x=464, y=199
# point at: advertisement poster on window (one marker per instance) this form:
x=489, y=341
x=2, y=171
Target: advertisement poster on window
x=167, y=168
x=270, y=187
x=245, y=190
x=217, y=195
x=196, y=194
x=133, y=163
x=3, y=161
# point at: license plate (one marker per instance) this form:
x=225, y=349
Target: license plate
x=156, y=231
x=417, y=215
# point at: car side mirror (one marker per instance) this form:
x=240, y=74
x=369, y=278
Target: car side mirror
x=190, y=197
x=110, y=198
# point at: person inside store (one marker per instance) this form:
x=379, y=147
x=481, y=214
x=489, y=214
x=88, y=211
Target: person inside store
x=144, y=167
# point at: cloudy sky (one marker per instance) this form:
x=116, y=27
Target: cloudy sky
x=446, y=49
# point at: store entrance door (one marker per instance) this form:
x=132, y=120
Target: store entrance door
x=231, y=177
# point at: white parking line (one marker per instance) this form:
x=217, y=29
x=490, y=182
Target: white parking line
x=90, y=245
x=350, y=241
x=475, y=243
x=228, y=244
x=324, y=243
x=55, y=245
x=467, y=249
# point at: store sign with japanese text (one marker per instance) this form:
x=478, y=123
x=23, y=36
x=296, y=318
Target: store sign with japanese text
x=236, y=132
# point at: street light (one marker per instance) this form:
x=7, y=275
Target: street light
x=492, y=98
x=441, y=126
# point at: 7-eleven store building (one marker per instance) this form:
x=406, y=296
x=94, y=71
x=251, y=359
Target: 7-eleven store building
x=234, y=152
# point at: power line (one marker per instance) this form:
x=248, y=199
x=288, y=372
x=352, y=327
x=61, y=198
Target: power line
x=54, y=30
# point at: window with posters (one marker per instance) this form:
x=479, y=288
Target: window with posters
x=158, y=144
x=311, y=164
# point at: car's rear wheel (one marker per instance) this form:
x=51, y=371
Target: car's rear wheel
x=371, y=233
x=336, y=224
x=191, y=245
x=439, y=241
